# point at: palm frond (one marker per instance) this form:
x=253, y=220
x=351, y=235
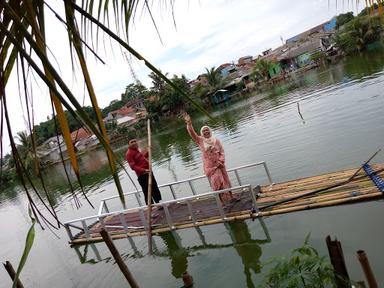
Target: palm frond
x=27, y=248
x=77, y=45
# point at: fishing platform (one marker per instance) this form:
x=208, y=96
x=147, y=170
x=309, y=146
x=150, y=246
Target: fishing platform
x=199, y=209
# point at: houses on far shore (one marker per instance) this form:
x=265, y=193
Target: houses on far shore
x=83, y=139
x=295, y=55
x=127, y=115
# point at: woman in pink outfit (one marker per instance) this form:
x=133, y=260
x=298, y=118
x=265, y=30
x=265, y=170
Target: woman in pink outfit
x=213, y=158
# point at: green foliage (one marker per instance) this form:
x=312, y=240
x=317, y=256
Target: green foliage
x=158, y=83
x=172, y=98
x=261, y=69
x=25, y=150
x=214, y=78
x=200, y=91
x=134, y=91
x=7, y=170
x=46, y=130
x=318, y=56
x=357, y=33
x=27, y=248
x=164, y=98
x=305, y=268
x=341, y=19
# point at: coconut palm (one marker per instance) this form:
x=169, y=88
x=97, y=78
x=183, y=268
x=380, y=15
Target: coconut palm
x=214, y=79
x=25, y=149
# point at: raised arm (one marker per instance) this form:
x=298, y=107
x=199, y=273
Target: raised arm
x=221, y=152
x=190, y=129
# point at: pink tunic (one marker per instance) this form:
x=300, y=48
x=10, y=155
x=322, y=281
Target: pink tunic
x=212, y=158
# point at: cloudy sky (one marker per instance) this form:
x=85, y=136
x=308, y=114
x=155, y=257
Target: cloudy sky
x=207, y=33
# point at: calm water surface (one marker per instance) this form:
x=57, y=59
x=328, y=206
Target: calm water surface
x=343, y=125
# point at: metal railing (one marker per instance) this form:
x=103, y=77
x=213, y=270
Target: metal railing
x=105, y=209
x=87, y=221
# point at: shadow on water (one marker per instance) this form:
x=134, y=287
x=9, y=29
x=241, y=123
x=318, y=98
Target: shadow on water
x=248, y=249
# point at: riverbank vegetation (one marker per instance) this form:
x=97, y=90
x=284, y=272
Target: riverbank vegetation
x=304, y=268
x=354, y=34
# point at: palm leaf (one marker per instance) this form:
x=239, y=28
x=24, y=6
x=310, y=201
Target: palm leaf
x=58, y=107
x=27, y=248
x=77, y=44
x=39, y=47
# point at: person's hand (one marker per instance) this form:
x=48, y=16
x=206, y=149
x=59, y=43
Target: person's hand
x=221, y=165
x=187, y=118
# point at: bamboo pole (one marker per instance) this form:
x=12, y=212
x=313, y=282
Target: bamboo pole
x=337, y=259
x=116, y=255
x=149, y=188
x=8, y=266
x=363, y=259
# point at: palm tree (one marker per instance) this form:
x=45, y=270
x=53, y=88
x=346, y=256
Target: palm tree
x=25, y=149
x=261, y=69
x=214, y=78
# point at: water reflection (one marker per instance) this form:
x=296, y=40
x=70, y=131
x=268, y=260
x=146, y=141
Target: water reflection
x=248, y=249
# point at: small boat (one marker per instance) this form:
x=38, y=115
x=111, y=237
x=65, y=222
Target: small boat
x=205, y=208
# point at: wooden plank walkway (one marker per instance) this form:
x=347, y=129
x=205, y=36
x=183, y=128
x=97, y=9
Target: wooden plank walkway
x=206, y=211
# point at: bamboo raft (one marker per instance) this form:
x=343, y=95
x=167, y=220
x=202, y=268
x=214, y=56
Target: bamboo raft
x=206, y=208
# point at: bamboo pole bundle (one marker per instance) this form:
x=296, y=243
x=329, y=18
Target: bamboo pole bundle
x=329, y=177
x=338, y=189
x=377, y=172
x=326, y=198
x=314, y=179
x=323, y=204
x=294, y=186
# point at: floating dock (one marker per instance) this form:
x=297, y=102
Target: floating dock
x=206, y=208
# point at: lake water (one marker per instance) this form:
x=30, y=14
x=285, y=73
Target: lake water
x=343, y=125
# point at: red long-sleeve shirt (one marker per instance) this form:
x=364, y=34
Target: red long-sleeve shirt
x=137, y=160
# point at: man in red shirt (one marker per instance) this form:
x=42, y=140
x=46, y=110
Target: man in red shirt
x=138, y=162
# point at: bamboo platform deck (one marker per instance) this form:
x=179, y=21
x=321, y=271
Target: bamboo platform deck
x=205, y=209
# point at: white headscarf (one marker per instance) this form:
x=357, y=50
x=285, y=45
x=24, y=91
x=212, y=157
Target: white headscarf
x=210, y=142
